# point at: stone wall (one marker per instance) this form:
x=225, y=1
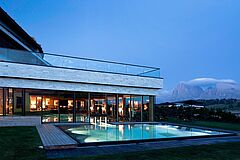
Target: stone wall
x=42, y=77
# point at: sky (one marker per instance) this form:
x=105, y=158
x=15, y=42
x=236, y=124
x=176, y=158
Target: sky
x=187, y=39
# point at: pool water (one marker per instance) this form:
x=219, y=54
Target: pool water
x=87, y=133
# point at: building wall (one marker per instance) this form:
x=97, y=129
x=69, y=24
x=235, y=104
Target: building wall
x=66, y=86
x=41, y=77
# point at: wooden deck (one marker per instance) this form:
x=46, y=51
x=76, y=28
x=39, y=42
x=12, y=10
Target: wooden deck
x=6, y=121
x=53, y=138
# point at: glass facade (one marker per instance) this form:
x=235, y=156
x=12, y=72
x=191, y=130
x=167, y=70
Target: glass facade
x=18, y=102
x=145, y=108
x=82, y=107
x=9, y=101
x=137, y=108
x=111, y=108
x=67, y=106
x=126, y=108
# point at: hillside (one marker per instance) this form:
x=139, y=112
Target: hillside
x=225, y=104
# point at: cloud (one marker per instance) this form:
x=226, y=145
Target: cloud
x=206, y=81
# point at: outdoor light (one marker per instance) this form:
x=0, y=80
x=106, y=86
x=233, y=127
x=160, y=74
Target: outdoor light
x=55, y=119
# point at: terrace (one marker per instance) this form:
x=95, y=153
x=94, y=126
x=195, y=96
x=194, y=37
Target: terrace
x=94, y=75
x=76, y=63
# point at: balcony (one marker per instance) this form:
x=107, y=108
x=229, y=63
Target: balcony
x=22, y=69
x=77, y=63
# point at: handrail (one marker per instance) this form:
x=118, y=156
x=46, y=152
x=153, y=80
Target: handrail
x=79, y=63
x=98, y=60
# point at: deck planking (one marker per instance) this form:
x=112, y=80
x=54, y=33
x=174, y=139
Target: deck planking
x=53, y=138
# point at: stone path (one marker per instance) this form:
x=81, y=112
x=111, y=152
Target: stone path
x=6, y=121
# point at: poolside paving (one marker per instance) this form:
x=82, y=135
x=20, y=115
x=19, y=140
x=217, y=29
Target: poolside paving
x=6, y=121
x=116, y=149
x=53, y=138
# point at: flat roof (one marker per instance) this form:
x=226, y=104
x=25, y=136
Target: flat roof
x=11, y=25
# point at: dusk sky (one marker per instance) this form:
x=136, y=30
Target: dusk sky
x=187, y=39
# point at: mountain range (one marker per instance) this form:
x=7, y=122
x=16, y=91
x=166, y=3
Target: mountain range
x=201, y=88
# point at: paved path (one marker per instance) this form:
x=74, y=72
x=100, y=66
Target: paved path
x=19, y=121
x=53, y=138
x=116, y=149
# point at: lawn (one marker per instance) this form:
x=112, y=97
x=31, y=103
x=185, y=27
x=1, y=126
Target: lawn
x=210, y=124
x=20, y=143
x=225, y=151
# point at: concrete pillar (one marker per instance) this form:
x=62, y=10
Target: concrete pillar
x=142, y=109
x=58, y=107
x=13, y=101
x=151, y=108
x=88, y=110
x=23, y=102
x=117, y=106
x=130, y=106
x=4, y=101
x=74, y=107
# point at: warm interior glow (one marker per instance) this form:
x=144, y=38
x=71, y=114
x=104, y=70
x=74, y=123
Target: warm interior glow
x=43, y=105
x=104, y=110
x=70, y=103
x=82, y=103
x=55, y=102
x=120, y=110
x=47, y=101
x=33, y=103
x=91, y=108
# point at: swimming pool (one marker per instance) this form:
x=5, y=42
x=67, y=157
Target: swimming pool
x=88, y=133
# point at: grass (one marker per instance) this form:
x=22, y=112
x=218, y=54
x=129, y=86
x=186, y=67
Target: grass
x=20, y=143
x=224, y=151
x=210, y=124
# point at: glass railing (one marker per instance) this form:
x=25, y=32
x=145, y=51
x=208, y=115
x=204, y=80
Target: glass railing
x=70, y=62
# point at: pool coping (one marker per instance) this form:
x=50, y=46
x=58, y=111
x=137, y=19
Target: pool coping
x=183, y=125
x=226, y=134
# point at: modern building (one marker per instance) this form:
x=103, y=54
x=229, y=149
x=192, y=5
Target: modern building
x=70, y=89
